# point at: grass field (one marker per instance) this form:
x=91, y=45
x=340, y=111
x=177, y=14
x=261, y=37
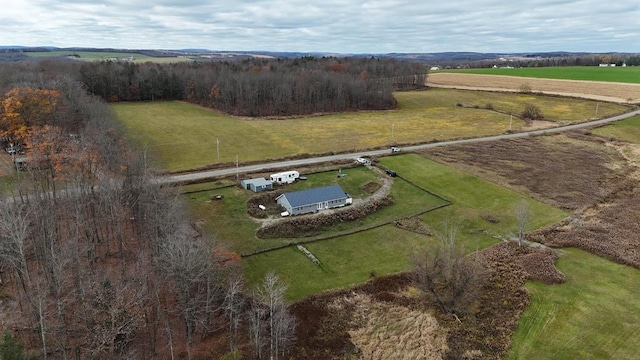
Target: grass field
x=594, y=315
x=629, y=74
x=352, y=259
x=184, y=136
x=627, y=130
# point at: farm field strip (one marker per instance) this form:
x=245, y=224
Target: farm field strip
x=186, y=136
x=627, y=74
x=596, y=90
x=98, y=56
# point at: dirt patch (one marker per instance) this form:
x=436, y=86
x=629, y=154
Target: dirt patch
x=569, y=171
x=371, y=187
x=268, y=201
x=596, y=90
x=414, y=224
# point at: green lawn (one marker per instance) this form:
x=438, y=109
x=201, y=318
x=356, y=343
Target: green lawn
x=185, y=136
x=594, y=315
x=627, y=130
x=350, y=259
x=629, y=74
x=228, y=219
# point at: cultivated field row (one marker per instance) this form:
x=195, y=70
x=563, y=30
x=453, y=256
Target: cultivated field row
x=595, y=90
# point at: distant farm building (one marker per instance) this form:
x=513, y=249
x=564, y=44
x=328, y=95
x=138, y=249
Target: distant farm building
x=257, y=184
x=314, y=200
x=286, y=177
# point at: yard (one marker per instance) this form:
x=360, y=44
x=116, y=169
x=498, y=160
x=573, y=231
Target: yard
x=352, y=259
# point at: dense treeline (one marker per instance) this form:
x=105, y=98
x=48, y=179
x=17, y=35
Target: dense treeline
x=260, y=87
x=97, y=260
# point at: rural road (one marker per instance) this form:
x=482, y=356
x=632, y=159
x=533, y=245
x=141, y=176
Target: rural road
x=315, y=160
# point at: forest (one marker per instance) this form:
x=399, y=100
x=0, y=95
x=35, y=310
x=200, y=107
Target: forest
x=260, y=87
x=97, y=260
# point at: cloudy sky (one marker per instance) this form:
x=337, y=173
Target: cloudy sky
x=341, y=26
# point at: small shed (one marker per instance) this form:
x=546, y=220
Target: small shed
x=257, y=184
x=314, y=200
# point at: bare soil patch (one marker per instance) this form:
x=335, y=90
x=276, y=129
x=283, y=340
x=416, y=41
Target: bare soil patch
x=596, y=90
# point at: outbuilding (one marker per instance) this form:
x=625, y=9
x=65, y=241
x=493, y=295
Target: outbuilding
x=314, y=200
x=257, y=184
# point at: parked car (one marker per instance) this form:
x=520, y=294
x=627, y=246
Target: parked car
x=363, y=161
x=11, y=150
x=391, y=173
x=395, y=149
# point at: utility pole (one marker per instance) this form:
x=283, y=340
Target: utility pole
x=597, y=104
x=393, y=139
x=218, y=147
x=237, y=170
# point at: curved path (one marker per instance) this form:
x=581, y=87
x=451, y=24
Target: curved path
x=315, y=160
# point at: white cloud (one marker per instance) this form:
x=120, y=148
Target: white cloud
x=346, y=26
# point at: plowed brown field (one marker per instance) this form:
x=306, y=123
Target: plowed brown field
x=596, y=90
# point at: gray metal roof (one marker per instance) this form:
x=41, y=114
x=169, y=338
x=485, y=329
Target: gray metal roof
x=257, y=181
x=315, y=195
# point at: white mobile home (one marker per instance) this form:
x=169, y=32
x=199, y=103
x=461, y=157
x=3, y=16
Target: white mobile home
x=286, y=177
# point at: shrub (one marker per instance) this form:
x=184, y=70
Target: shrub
x=525, y=88
x=531, y=112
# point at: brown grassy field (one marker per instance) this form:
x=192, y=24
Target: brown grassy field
x=596, y=90
x=580, y=171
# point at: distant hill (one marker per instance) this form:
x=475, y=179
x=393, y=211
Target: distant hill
x=427, y=57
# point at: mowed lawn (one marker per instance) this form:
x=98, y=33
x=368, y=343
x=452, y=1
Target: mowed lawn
x=185, y=136
x=626, y=130
x=352, y=259
x=593, y=315
x=629, y=74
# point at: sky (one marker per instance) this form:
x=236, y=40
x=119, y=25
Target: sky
x=333, y=26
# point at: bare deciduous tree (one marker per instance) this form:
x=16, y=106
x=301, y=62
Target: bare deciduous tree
x=522, y=217
x=280, y=323
x=448, y=278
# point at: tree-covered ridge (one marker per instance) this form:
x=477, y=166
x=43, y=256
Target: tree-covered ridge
x=260, y=87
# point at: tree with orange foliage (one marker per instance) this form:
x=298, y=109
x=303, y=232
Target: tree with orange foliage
x=23, y=107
